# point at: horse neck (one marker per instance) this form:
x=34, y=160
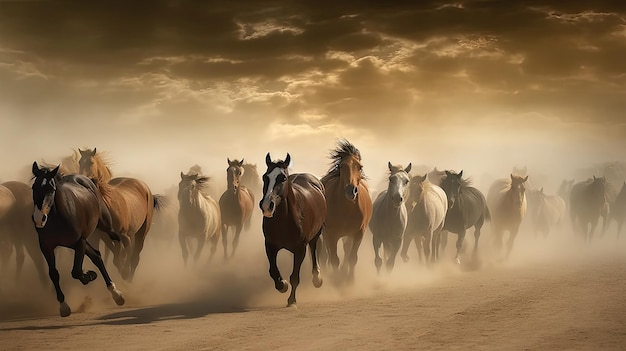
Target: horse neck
x=191, y=198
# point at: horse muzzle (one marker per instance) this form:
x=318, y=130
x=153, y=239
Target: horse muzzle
x=268, y=207
x=40, y=218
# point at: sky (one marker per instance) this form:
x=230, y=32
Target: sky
x=162, y=85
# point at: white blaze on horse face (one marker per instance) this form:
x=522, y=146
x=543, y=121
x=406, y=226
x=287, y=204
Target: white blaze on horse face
x=40, y=213
x=267, y=197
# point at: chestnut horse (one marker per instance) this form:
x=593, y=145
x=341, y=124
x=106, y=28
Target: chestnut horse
x=131, y=204
x=236, y=204
x=294, y=211
x=349, y=205
x=67, y=210
x=507, y=203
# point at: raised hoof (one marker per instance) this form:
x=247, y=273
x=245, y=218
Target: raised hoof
x=317, y=282
x=91, y=276
x=284, y=288
x=65, y=309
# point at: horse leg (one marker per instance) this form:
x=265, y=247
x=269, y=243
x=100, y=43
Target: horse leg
x=393, y=252
x=238, y=229
x=426, y=244
x=140, y=238
x=459, y=246
x=435, y=245
x=183, y=246
x=317, y=280
x=80, y=250
x=322, y=254
x=378, y=261
x=443, y=241
x=96, y=258
x=214, y=239
x=354, y=254
x=331, y=250
x=225, y=241
x=592, y=230
x=294, y=279
x=509, y=244
x=53, y=273
x=406, y=242
x=200, y=246
x=279, y=283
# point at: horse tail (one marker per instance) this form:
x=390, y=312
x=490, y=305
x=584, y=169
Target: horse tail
x=158, y=201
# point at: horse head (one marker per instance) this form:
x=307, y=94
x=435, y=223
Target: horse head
x=189, y=185
x=44, y=190
x=416, y=188
x=350, y=175
x=233, y=174
x=451, y=185
x=86, y=162
x=274, y=181
x=518, y=189
x=398, y=187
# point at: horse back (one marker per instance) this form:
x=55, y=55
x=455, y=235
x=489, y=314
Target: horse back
x=77, y=205
x=310, y=203
x=474, y=206
x=131, y=203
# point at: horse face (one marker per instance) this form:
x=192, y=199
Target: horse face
x=233, y=173
x=44, y=190
x=398, y=188
x=519, y=190
x=451, y=185
x=416, y=186
x=85, y=163
x=350, y=175
x=274, y=181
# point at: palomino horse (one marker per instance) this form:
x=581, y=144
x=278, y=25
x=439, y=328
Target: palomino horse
x=198, y=216
x=467, y=208
x=507, y=203
x=236, y=204
x=587, y=204
x=294, y=211
x=389, y=216
x=131, y=205
x=66, y=211
x=427, y=206
x=16, y=227
x=545, y=211
x=349, y=205
x=618, y=209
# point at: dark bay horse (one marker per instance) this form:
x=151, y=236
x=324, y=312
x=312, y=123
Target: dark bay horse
x=16, y=227
x=507, y=203
x=349, y=205
x=618, y=209
x=294, y=211
x=236, y=204
x=467, y=207
x=389, y=217
x=587, y=204
x=198, y=216
x=131, y=205
x=427, y=206
x=67, y=211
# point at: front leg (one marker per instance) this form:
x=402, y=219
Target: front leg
x=77, y=270
x=294, y=279
x=279, y=283
x=48, y=253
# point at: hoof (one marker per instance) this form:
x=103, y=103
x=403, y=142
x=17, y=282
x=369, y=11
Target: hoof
x=65, y=309
x=117, y=295
x=317, y=281
x=91, y=275
x=458, y=260
x=285, y=286
x=292, y=305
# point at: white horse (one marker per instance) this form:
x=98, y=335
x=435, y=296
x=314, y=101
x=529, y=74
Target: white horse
x=545, y=211
x=427, y=208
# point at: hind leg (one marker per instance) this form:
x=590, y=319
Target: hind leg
x=294, y=279
x=406, y=242
x=140, y=238
x=279, y=283
x=200, y=246
x=317, y=279
x=426, y=244
x=96, y=258
x=238, y=229
x=183, y=246
x=512, y=235
x=225, y=241
x=331, y=250
x=214, y=241
x=459, y=246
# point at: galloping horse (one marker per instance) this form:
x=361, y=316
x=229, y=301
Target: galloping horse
x=66, y=211
x=198, y=215
x=389, y=216
x=507, y=203
x=587, y=204
x=349, y=205
x=16, y=227
x=236, y=204
x=131, y=205
x=545, y=211
x=467, y=208
x=294, y=211
x=251, y=179
x=618, y=209
x=427, y=207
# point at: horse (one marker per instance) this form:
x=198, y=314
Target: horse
x=349, y=205
x=507, y=203
x=565, y=190
x=427, y=206
x=618, y=209
x=251, y=179
x=294, y=212
x=436, y=176
x=131, y=205
x=389, y=216
x=236, y=204
x=467, y=208
x=587, y=204
x=198, y=215
x=544, y=211
x=16, y=227
x=67, y=210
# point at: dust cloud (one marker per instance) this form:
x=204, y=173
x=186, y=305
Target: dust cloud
x=157, y=157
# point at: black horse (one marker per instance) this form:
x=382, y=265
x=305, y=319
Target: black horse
x=467, y=207
x=294, y=213
x=67, y=210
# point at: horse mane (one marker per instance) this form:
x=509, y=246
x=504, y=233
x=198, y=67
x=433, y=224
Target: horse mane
x=101, y=161
x=344, y=148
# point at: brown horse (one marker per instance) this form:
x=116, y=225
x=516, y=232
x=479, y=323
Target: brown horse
x=236, y=205
x=507, y=202
x=67, y=210
x=16, y=227
x=587, y=204
x=294, y=211
x=131, y=204
x=349, y=205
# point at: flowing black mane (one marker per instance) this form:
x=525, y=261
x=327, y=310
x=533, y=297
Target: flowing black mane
x=344, y=148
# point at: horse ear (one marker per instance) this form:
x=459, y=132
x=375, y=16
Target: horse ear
x=512, y=178
x=241, y=162
x=93, y=153
x=55, y=171
x=525, y=179
x=448, y=172
x=389, y=165
x=408, y=168
x=182, y=175
x=228, y=160
x=268, y=160
x=541, y=190
x=435, y=169
x=287, y=160
x=594, y=177
x=35, y=168
x=423, y=178
x=460, y=174
x=82, y=152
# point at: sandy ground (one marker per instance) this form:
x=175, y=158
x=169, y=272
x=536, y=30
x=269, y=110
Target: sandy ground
x=551, y=294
